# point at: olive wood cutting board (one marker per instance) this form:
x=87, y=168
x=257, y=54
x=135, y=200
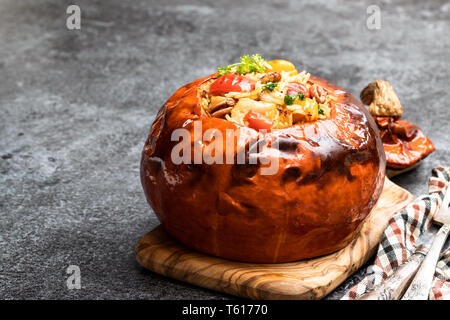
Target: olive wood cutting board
x=305, y=279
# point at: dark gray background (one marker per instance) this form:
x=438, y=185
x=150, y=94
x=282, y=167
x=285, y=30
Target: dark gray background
x=76, y=107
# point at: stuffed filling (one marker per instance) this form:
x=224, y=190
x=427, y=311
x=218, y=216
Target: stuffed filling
x=264, y=95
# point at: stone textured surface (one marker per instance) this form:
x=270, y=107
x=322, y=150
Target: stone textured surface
x=76, y=107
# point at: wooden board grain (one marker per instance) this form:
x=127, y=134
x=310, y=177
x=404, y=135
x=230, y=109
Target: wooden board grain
x=306, y=279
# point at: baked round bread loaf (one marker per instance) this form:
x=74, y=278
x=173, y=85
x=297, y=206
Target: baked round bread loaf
x=330, y=175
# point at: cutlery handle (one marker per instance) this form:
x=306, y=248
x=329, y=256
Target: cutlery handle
x=421, y=285
x=393, y=287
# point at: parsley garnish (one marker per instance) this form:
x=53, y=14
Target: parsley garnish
x=270, y=86
x=289, y=99
x=321, y=111
x=226, y=69
x=248, y=64
x=301, y=96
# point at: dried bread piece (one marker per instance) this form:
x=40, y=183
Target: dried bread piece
x=382, y=100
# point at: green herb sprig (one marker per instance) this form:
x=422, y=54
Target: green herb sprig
x=321, y=111
x=270, y=86
x=248, y=64
x=289, y=99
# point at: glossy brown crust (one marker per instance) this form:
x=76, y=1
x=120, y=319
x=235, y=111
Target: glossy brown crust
x=404, y=143
x=330, y=175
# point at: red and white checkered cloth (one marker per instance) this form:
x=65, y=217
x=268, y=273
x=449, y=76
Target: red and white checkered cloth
x=397, y=242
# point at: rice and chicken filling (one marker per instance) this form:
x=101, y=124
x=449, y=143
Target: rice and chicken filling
x=274, y=95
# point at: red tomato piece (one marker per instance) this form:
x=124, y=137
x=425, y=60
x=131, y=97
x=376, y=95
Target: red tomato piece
x=294, y=88
x=231, y=83
x=257, y=121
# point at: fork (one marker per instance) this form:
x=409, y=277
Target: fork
x=421, y=285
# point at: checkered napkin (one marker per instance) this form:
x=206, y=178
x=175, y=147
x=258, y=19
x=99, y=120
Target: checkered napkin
x=397, y=242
